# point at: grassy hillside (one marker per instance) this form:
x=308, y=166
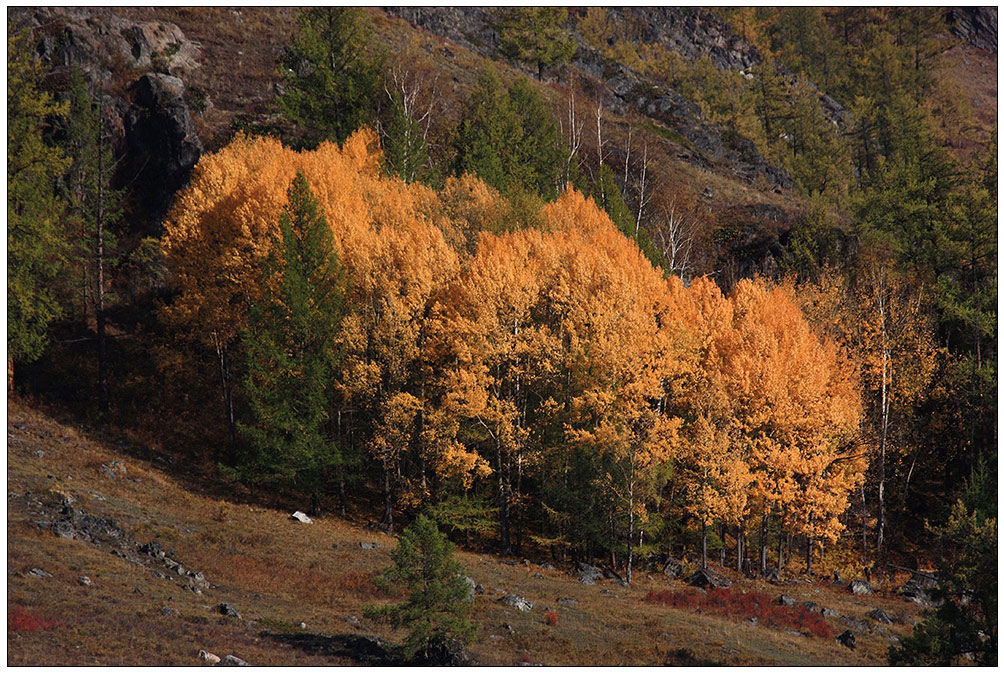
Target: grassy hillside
x=278, y=573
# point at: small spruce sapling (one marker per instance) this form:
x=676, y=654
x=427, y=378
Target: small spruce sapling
x=436, y=608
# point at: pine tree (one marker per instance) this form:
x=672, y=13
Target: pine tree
x=35, y=243
x=290, y=351
x=436, y=608
x=93, y=208
x=331, y=75
x=536, y=35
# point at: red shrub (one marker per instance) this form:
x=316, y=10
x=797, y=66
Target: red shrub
x=551, y=616
x=743, y=606
x=23, y=621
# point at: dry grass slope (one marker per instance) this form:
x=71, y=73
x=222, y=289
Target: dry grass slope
x=278, y=573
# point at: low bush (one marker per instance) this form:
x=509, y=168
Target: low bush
x=743, y=606
x=23, y=621
x=551, y=616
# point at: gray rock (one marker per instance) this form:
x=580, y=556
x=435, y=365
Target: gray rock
x=228, y=610
x=830, y=613
x=114, y=470
x=547, y=567
x=471, y=588
x=568, y=601
x=39, y=453
x=672, y=569
x=854, y=624
x=847, y=639
x=365, y=545
x=517, y=602
x=301, y=517
x=708, y=579
x=588, y=575
x=785, y=600
x=169, y=611
x=231, y=661
x=878, y=615
x=352, y=620
x=84, y=580
x=860, y=587
x=810, y=606
x=39, y=573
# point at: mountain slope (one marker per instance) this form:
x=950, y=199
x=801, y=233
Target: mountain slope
x=276, y=573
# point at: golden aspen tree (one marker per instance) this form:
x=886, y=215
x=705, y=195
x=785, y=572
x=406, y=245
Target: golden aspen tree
x=797, y=404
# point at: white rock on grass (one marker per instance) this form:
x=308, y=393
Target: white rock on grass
x=301, y=517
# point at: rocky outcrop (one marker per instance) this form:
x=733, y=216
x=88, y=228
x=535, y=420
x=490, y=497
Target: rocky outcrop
x=975, y=25
x=136, y=70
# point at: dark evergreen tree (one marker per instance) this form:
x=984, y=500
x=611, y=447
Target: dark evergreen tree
x=93, y=208
x=35, y=241
x=436, y=608
x=290, y=352
x=964, y=626
x=536, y=35
x=331, y=74
x=509, y=138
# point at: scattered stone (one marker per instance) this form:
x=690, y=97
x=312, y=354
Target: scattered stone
x=471, y=587
x=588, y=575
x=624, y=583
x=228, y=610
x=847, y=639
x=854, y=624
x=352, y=620
x=39, y=573
x=878, y=615
x=706, y=578
x=811, y=606
x=301, y=517
x=365, y=545
x=507, y=562
x=526, y=562
x=63, y=529
x=794, y=633
x=547, y=567
x=114, y=470
x=830, y=613
x=84, y=580
x=231, y=661
x=672, y=569
x=604, y=591
x=538, y=575
x=752, y=620
x=479, y=589
x=211, y=658
x=785, y=600
x=169, y=611
x=918, y=589
x=568, y=601
x=40, y=454
x=302, y=625
x=517, y=602
x=859, y=586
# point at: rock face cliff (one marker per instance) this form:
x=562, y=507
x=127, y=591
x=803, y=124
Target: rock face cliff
x=691, y=32
x=975, y=25
x=135, y=68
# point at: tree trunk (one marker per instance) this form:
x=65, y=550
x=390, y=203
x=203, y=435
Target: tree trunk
x=704, y=544
x=100, y=298
x=341, y=492
x=780, y=551
x=630, y=557
x=503, y=503
x=763, y=545
x=808, y=555
x=721, y=553
x=228, y=400
x=388, y=502
x=739, y=548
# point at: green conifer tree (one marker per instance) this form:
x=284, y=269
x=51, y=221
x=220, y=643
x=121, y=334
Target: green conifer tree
x=536, y=35
x=290, y=352
x=436, y=608
x=331, y=74
x=35, y=241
